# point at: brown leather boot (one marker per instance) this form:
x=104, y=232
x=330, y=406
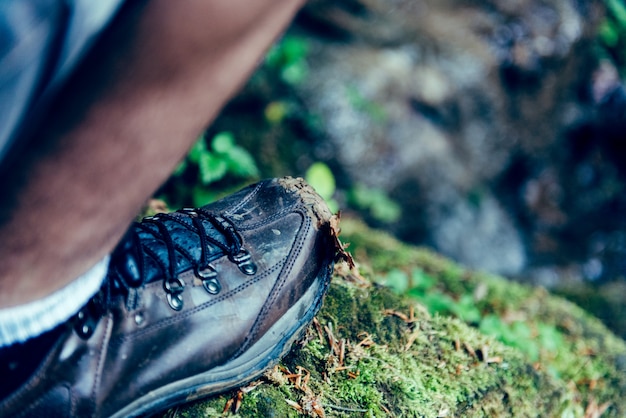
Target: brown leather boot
x=196, y=302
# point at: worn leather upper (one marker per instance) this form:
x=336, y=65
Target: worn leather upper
x=132, y=339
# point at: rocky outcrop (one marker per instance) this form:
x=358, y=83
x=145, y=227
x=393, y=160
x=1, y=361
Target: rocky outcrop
x=461, y=344
x=498, y=126
x=463, y=112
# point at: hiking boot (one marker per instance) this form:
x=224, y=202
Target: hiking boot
x=196, y=302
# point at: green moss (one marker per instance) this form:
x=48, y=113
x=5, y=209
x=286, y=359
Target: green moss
x=555, y=336
x=267, y=403
x=522, y=352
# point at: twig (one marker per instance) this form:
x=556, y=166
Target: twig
x=343, y=408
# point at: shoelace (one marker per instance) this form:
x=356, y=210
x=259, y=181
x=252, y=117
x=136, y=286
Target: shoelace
x=156, y=227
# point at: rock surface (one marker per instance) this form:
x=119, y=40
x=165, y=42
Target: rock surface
x=468, y=93
x=464, y=344
x=497, y=126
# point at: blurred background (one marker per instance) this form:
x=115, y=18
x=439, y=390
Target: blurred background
x=491, y=131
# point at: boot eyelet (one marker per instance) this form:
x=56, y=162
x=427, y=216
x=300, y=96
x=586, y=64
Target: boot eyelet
x=175, y=301
x=86, y=331
x=189, y=211
x=244, y=262
x=174, y=289
x=207, y=272
x=248, y=268
x=174, y=286
x=139, y=318
x=85, y=323
x=153, y=218
x=212, y=286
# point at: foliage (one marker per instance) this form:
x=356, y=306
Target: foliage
x=321, y=178
x=552, y=334
x=276, y=117
x=206, y=165
x=371, y=200
x=376, y=353
x=276, y=111
x=359, y=102
x=421, y=287
x=288, y=56
x=375, y=202
x=612, y=32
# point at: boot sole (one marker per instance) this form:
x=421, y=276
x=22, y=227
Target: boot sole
x=264, y=354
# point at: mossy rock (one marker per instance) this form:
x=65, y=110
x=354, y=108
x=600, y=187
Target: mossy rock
x=438, y=341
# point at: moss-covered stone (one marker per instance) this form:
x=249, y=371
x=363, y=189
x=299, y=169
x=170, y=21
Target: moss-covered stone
x=453, y=343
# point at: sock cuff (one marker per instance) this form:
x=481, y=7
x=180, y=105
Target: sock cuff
x=20, y=323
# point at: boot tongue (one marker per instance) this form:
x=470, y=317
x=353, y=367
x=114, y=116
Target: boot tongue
x=142, y=255
x=126, y=259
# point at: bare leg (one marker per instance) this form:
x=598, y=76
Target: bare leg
x=120, y=128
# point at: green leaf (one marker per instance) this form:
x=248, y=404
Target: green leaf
x=385, y=209
x=492, y=325
x=295, y=49
x=618, y=10
x=295, y=73
x=198, y=148
x=376, y=201
x=466, y=310
x=275, y=112
x=212, y=168
x=438, y=302
x=397, y=280
x=416, y=293
x=223, y=142
x=421, y=280
x=289, y=50
x=517, y=335
x=202, y=196
x=321, y=178
x=240, y=162
x=180, y=168
x=550, y=338
x=359, y=102
x=360, y=196
x=272, y=58
x=609, y=34
x=333, y=205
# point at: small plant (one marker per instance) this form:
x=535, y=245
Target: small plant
x=288, y=56
x=536, y=340
x=421, y=287
x=612, y=33
x=376, y=202
x=208, y=164
x=518, y=334
x=359, y=102
x=321, y=178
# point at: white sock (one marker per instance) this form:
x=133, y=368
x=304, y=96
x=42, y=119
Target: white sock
x=22, y=322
